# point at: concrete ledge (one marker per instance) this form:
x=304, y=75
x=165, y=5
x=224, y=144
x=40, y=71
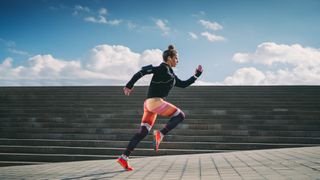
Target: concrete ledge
x=288, y=163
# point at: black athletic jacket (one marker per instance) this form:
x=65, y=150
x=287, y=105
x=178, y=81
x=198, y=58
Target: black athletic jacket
x=163, y=80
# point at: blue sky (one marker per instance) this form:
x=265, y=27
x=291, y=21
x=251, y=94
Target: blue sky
x=104, y=42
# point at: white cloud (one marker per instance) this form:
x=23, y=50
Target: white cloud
x=299, y=65
x=245, y=76
x=19, y=52
x=162, y=25
x=115, y=22
x=98, y=16
x=212, y=37
x=103, y=11
x=199, y=14
x=205, y=83
x=102, y=20
x=210, y=25
x=79, y=8
x=106, y=65
x=269, y=53
x=193, y=35
x=11, y=47
x=90, y=19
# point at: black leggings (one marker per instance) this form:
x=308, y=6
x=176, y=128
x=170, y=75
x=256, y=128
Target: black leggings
x=143, y=132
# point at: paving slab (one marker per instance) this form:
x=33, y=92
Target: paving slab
x=288, y=163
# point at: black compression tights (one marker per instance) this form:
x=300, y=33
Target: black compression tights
x=143, y=132
x=172, y=123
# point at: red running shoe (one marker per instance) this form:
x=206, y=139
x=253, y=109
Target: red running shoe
x=157, y=138
x=123, y=161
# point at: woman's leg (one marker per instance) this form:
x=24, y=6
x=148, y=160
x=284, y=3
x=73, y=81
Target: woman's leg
x=168, y=110
x=148, y=120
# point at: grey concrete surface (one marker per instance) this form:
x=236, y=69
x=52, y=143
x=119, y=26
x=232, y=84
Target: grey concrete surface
x=288, y=163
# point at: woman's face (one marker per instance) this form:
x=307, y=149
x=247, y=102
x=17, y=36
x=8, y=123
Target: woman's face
x=173, y=61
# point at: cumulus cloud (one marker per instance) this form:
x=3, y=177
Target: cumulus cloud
x=162, y=25
x=269, y=53
x=299, y=65
x=245, y=76
x=212, y=37
x=106, y=65
x=210, y=25
x=206, y=83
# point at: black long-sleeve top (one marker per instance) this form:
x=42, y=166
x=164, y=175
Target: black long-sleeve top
x=162, y=81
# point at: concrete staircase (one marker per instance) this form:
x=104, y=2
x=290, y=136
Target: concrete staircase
x=53, y=124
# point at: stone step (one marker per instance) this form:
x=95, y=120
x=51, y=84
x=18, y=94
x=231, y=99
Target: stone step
x=159, y=125
x=139, y=89
x=172, y=96
x=36, y=121
x=304, y=119
x=171, y=138
x=177, y=131
x=139, y=110
x=47, y=158
x=18, y=163
x=185, y=106
x=98, y=150
x=184, y=100
x=145, y=144
x=82, y=123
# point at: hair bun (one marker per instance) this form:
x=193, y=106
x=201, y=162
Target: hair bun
x=170, y=47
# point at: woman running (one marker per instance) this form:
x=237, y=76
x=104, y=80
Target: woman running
x=162, y=82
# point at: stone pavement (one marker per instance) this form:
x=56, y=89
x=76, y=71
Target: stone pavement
x=290, y=163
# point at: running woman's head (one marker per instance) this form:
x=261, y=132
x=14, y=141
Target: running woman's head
x=170, y=56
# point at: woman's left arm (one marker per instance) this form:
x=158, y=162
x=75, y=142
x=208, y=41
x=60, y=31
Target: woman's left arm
x=192, y=79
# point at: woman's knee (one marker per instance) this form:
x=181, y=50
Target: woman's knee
x=143, y=132
x=183, y=114
x=179, y=114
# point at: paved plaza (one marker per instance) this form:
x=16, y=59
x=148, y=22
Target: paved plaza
x=290, y=163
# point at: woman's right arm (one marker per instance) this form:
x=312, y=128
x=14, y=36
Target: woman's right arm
x=144, y=70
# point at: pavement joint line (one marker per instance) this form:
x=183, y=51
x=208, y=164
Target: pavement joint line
x=216, y=167
x=226, y=159
x=172, y=163
x=283, y=163
x=184, y=167
x=199, y=166
x=263, y=164
x=250, y=166
x=293, y=160
x=151, y=170
x=298, y=152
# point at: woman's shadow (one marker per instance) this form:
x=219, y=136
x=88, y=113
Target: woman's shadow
x=110, y=175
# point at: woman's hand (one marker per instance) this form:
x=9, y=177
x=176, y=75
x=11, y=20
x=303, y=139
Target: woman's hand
x=127, y=91
x=199, y=71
